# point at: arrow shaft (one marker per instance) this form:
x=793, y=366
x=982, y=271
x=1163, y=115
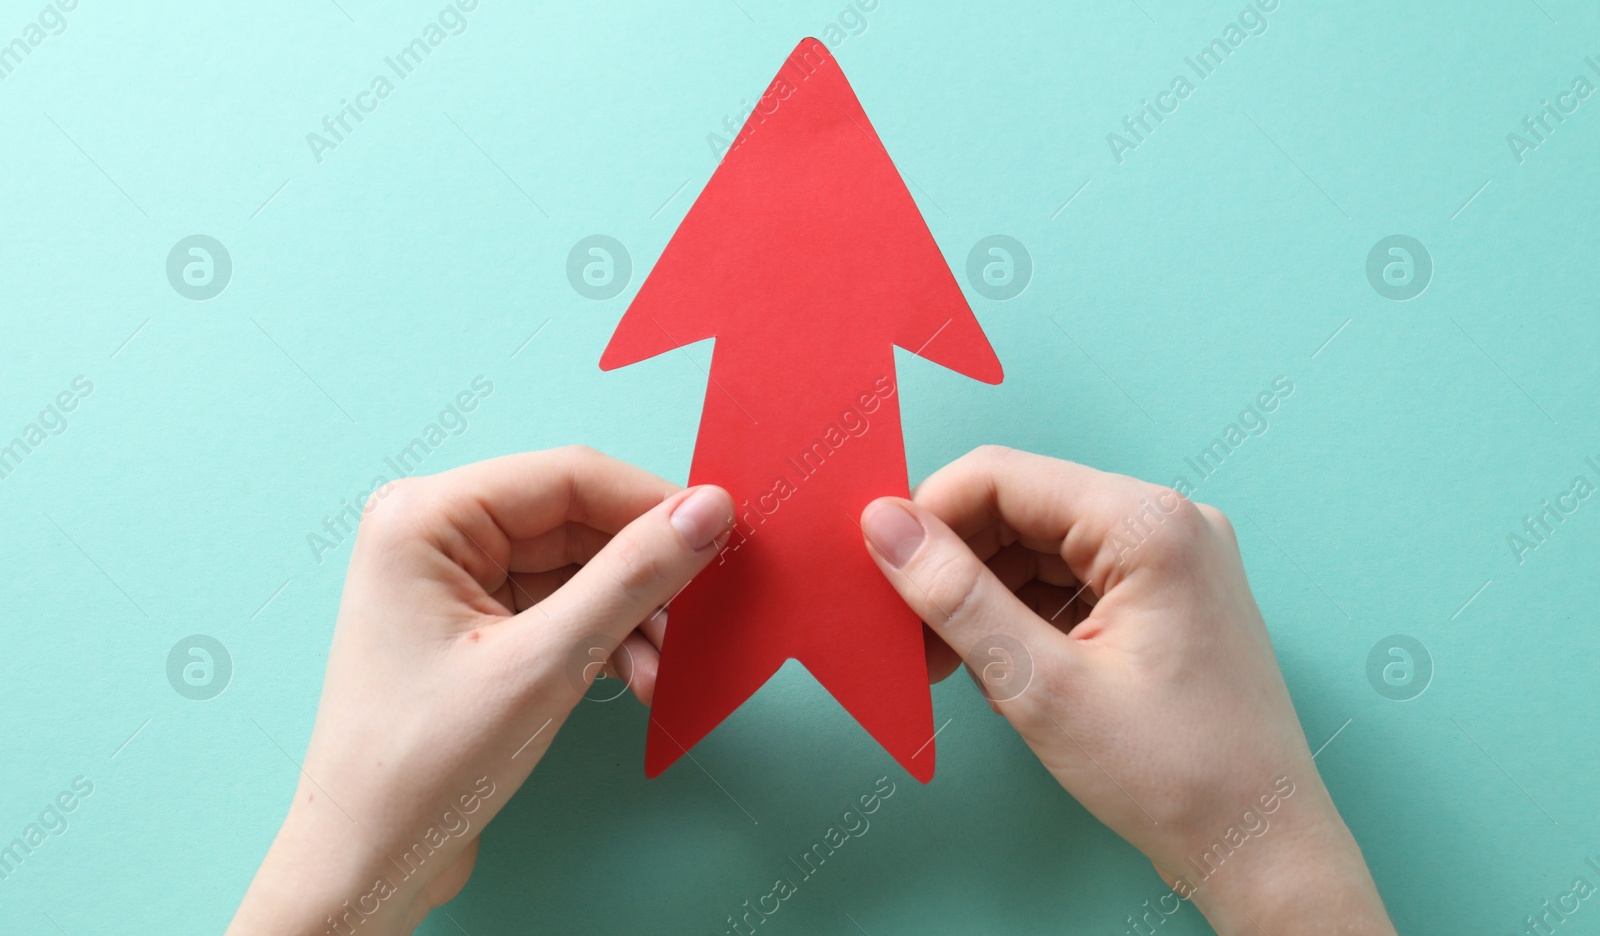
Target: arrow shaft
x=795, y=580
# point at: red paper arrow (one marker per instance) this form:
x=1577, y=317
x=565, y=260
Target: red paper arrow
x=806, y=258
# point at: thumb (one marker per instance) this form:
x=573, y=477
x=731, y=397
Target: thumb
x=959, y=597
x=642, y=568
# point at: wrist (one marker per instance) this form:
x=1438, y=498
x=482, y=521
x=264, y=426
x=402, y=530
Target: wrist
x=324, y=875
x=1303, y=874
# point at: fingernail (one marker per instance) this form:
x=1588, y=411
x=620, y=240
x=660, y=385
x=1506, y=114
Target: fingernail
x=703, y=516
x=894, y=531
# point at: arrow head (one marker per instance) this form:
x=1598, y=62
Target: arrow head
x=805, y=237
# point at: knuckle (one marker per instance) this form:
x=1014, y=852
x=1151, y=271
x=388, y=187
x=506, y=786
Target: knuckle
x=376, y=499
x=1180, y=526
x=580, y=454
x=1218, y=520
x=638, y=570
x=397, y=509
x=1188, y=516
x=952, y=582
x=983, y=458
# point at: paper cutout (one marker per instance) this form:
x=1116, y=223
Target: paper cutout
x=807, y=259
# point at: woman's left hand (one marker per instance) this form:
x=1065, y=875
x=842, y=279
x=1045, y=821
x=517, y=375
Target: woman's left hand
x=479, y=605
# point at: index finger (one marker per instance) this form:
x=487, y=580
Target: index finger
x=1052, y=505
x=473, y=514
x=532, y=492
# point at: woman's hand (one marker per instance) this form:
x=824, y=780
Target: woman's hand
x=1110, y=622
x=478, y=606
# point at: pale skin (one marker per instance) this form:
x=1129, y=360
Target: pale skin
x=1155, y=698
x=479, y=603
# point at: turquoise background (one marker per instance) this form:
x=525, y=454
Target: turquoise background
x=368, y=289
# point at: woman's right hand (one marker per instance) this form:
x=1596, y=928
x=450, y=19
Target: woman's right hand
x=1109, y=620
